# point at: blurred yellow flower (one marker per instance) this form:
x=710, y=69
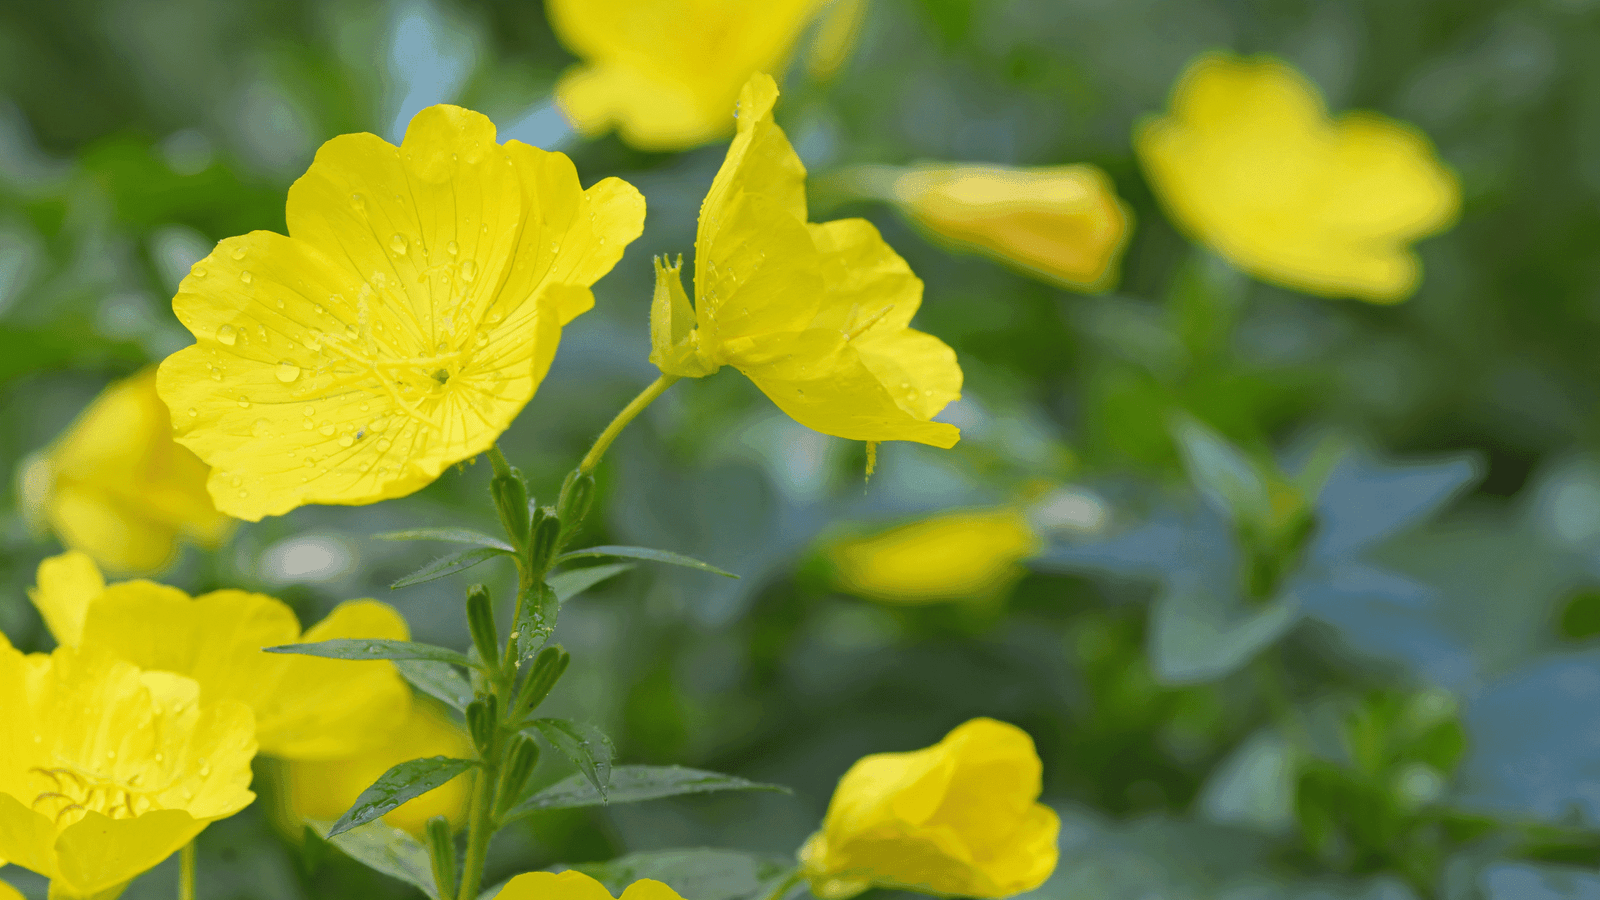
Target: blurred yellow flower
x=666, y=73
x=105, y=770
x=116, y=486
x=959, y=555
x=324, y=789
x=305, y=707
x=1249, y=162
x=7, y=892
x=816, y=314
x=570, y=885
x=402, y=325
x=957, y=818
x=1064, y=223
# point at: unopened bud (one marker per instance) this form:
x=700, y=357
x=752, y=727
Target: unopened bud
x=442, y=853
x=480, y=621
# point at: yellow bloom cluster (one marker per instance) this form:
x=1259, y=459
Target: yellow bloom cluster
x=954, y=556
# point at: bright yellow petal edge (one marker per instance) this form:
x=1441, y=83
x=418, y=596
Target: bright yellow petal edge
x=304, y=707
x=959, y=818
x=1248, y=161
x=815, y=314
x=94, y=798
x=404, y=322
x=116, y=486
x=953, y=556
x=573, y=885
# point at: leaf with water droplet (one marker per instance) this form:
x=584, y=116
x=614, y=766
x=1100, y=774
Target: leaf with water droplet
x=449, y=565
x=438, y=680
x=648, y=553
x=636, y=784
x=373, y=648
x=571, y=583
x=537, y=610
x=449, y=535
x=401, y=783
x=585, y=745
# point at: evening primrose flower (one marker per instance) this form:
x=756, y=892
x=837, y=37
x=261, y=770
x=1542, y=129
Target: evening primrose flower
x=105, y=769
x=116, y=486
x=954, y=556
x=404, y=322
x=324, y=789
x=816, y=314
x=571, y=885
x=1249, y=162
x=666, y=72
x=958, y=818
x=305, y=707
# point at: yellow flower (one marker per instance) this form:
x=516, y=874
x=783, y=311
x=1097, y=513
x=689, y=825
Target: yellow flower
x=968, y=554
x=957, y=818
x=7, y=892
x=1062, y=222
x=402, y=325
x=816, y=314
x=324, y=789
x=666, y=72
x=570, y=885
x=105, y=770
x=1249, y=163
x=116, y=486
x=305, y=707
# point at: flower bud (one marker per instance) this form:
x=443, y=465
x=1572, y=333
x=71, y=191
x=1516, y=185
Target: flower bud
x=480, y=621
x=483, y=720
x=521, y=759
x=543, y=542
x=577, y=494
x=548, y=668
x=958, y=818
x=442, y=852
x=510, y=491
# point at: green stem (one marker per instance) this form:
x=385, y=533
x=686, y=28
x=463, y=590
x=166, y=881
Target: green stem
x=629, y=412
x=480, y=826
x=786, y=885
x=186, y=872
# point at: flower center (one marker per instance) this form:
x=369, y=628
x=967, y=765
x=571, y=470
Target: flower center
x=69, y=793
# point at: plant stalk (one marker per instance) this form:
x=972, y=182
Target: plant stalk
x=629, y=412
x=788, y=883
x=480, y=826
x=186, y=869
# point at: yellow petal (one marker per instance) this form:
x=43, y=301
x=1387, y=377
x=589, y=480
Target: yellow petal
x=100, y=852
x=666, y=72
x=649, y=889
x=758, y=273
x=1062, y=222
x=1249, y=162
x=759, y=161
x=27, y=838
x=67, y=584
x=324, y=789
x=7, y=892
x=835, y=37
x=952, y=556
x=116, y=486
x=403, y=325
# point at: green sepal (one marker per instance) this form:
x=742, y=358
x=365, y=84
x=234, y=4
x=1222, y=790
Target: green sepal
x=483, y=721
x=547, y=670
x=510, y=492
x=480, y=622
x=442, y=854
x=674, y=341
x=577, y=496
x=521, y=759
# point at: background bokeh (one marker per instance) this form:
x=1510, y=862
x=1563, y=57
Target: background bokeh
x=1427, y=723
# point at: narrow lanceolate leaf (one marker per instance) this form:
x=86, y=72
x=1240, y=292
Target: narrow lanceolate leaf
x=364, y=648
x=447, y=535
x=635, y=784
x=587, y=746
x=396, y=786
x=387, y=850
x=449, y=565
x=437, y=680
x=661, y=556
x=537, y=609
x=571, y=583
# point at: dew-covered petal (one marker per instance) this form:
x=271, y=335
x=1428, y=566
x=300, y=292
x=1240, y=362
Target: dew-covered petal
x=821, y=382
x=866, y=280
x=760, y=161
x=100, y=852
x=66, y=585
x=757, y=274
x=27, y=838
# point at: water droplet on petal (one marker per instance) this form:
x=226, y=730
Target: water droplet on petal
x=227, y=334
x=198, y=271
x=326, y=429
x=245, y=276
x=359, y=204
x=261, y=428
x=309, y=410
x=236, y=481
x=383, y=447
x=452, y=248
x=346, y=440
x=288, y=372
x=399, y=244
x=238, y=253
x=244, y=402
x=193, y=412
x=469, y=270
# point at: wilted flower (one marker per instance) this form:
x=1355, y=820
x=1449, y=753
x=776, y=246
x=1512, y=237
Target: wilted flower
x=965, y=554
x=957, y=818
x=816, y=314
x=1064, y=223
x=116, y=486
x=1249, y=163
x=305, y=707
x=324, y=789
x=402, y=325
x=571, y=885
x=105, y=769
x=666, y=72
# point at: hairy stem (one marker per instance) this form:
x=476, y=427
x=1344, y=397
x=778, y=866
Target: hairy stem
x=480, y=825
x=186, y=872
x=629, y=412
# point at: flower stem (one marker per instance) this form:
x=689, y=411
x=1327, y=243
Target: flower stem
x=186, y=872
x=480, y=826
x=629, y=412
x=788, y=883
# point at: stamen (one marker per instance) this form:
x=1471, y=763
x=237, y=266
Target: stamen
x=874, y=319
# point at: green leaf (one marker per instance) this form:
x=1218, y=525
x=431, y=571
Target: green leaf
x=364, y=648
x=662, y=556
x=587, y=746
x=437, y=680
x=385, y=849
x=573, y=582
x=1199, y=633
x=394, y=787
x=537, y=609
x=1225, y=477
x=635, y=784
x=447, y=535
x=703, y=874
x=449, y=565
